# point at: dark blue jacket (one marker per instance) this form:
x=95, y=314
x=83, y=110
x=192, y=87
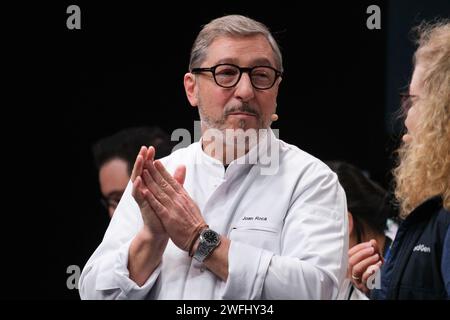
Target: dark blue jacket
x=419, y=265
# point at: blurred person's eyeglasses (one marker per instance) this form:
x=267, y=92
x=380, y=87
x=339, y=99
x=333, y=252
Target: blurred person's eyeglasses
x=228, y=75
x=406, y=101
x=112, y=200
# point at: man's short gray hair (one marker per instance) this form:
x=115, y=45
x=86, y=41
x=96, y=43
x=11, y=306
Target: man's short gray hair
x=231, y=25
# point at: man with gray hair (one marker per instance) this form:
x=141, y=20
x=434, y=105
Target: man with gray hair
x=239, y=214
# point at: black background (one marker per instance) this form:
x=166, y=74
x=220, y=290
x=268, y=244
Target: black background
x=125, y=68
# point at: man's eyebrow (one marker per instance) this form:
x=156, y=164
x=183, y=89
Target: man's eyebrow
x=262, y=62
x=256, y=62
x=227, y=60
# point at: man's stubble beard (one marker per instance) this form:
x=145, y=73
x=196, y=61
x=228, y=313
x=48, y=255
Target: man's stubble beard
x=232, y=143
x=209, y=123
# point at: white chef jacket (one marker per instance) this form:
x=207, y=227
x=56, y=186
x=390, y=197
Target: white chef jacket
x=288, y=232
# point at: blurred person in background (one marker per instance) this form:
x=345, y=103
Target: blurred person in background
x=369, y=213
x=114, y=158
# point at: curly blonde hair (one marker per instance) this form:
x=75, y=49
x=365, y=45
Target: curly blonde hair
x=423, y=170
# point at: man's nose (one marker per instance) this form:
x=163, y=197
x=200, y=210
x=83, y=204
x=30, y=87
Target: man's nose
x=244, y=89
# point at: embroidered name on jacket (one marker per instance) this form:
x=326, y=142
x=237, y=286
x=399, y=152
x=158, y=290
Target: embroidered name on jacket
x=422, y=248
x=246, y=218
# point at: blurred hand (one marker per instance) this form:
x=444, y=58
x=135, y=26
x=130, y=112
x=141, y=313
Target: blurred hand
x=364, y=260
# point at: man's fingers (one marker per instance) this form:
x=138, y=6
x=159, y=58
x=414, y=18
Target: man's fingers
x=137, y=169
x=149, y=182
x=157, y=207
x=164, y=183
x=150, y=156
x=139, y=163
x=143, y=155
x=136, y=191
x=168, y=178
x=157, y=191
x=180, y=174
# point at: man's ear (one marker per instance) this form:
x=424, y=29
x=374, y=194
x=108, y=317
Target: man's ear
x=276, y=87
x=190, y=86
x=279, y=80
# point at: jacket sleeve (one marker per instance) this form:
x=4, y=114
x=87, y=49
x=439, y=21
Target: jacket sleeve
x=105, y=275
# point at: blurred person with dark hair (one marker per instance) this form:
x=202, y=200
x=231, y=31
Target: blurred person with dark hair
x=419, y=264
x=369, y=210
x=114, y=158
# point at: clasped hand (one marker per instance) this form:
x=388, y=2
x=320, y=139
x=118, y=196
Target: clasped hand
x=167, y=209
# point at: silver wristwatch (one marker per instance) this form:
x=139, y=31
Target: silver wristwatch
x=209, y=240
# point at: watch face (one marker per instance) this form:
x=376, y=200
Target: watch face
x=210, y=237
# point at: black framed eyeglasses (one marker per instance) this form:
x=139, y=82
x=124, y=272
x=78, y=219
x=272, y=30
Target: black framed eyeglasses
x=228, y=75
x=112, y=200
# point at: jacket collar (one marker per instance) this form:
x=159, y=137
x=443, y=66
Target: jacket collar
x=422, y=212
